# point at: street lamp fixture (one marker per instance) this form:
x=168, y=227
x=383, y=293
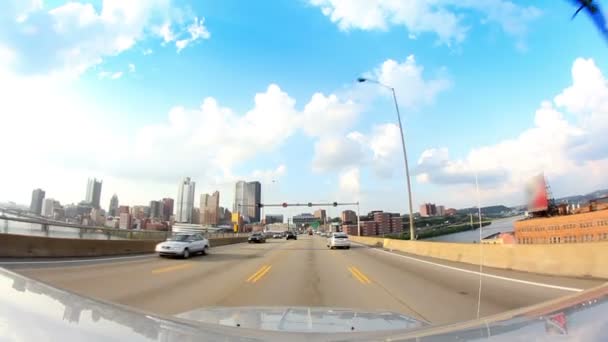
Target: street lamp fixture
x=407, y=169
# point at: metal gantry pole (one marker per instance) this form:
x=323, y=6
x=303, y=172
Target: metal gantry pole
x=358, y=221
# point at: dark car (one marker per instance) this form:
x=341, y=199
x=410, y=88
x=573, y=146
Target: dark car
x=256, y=237
x=291, y=236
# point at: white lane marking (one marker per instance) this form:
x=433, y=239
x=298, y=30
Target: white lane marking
x=526, y=282
x=93, y=259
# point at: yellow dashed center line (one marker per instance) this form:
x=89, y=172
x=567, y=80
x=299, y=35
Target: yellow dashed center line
x=171, y=268
x=359, y=275
x=259, y=274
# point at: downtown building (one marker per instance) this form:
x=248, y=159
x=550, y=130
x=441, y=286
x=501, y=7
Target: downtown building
x=50, y=207
x=156, y=209
x=184, y=203
x=321, y=215
x=210, y=209
x=113, y=207
x=376, y=223
x=93, y=192
x=247, y=198
x=36, y=203
x=348, y=217
x=167, y=208
x=428, y=209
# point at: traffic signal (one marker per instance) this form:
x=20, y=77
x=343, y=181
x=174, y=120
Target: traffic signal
x=259, y=205
x=284, y=205
x=335, y=204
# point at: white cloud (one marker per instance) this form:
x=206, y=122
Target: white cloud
x=379, y=150
x=386, y=148
x=165, y=33
x=147, y=52
x=109, y=74
x=411, y=88
x=73, y=37
x=325, y=115
x=445, y=18
x=336, y=153
x=568, y=148
x=131, y=67
x=197, y=30
x=350, y=185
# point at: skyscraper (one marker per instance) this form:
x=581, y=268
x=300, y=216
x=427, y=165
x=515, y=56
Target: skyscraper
x=185, y=201
x=93, y=192
x=155, y=209
x=36, y=204
x=247, y=197
x=167, y=208
x=253, y=196
x=239, y=198
x=210, y=206
x=113, y=209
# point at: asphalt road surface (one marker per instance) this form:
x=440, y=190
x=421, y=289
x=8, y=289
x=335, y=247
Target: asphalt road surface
x=303, y=272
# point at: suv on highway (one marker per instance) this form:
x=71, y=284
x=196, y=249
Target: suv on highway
x=183, y=245
x=291, y=236
x=256, y=237
x=338, y=240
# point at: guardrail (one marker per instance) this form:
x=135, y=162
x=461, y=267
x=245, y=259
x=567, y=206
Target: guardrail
x=54, y=229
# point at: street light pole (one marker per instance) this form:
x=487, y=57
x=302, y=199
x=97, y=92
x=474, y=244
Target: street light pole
x=407, y=169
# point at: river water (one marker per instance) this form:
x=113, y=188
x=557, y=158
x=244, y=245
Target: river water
x=35, y=229
x=470, y=236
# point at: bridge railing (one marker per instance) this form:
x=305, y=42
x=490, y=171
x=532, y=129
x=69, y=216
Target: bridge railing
x=28, y=226
x=20, y=226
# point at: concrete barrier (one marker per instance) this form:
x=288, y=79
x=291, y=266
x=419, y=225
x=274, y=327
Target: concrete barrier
x=36, y=246
x=572, y=260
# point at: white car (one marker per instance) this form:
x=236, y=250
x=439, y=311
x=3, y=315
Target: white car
x=183, y=245
x=338, y=240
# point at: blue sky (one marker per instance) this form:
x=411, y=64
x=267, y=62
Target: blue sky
x=91, y=90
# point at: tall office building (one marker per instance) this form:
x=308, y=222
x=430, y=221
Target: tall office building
x=210, y=206
x=253, y=195
x=239, y=198
x=113, y=208
x=184, y=201
x=36, y=204
x=167, y=208
x=156, y=209
x=93, y=192
x=247, y=197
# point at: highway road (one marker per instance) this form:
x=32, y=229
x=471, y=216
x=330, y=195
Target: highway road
x=302, y=273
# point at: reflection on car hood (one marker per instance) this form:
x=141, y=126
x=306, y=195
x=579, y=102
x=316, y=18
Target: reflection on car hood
x=302, y=319
x=32, y=311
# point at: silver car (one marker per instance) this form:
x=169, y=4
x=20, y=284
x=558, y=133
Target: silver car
x=338, y=240
x=183, y=245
